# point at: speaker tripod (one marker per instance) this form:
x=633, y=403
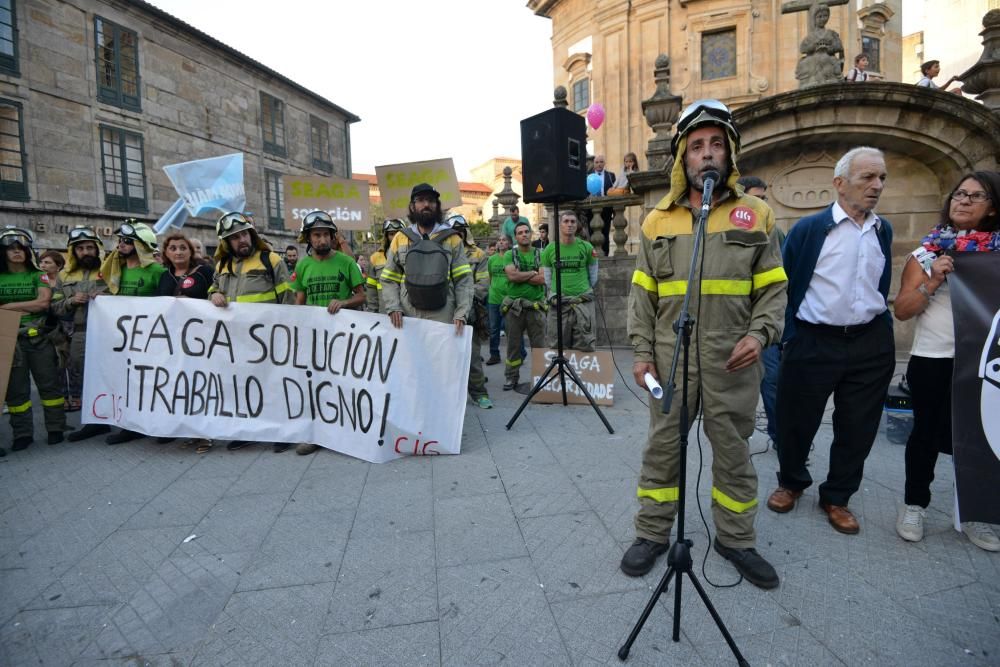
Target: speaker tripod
x=679, y=561
x=559, y=368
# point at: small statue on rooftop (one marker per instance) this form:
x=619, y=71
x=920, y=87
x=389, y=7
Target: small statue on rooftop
x=823, y=52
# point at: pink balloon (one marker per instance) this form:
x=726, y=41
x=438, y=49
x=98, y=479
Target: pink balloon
x=595, y=115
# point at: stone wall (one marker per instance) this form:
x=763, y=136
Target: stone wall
x=199, y=99
x=614, y=281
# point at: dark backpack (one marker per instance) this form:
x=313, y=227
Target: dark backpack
x=428, y=269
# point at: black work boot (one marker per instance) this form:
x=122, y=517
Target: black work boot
x=750, y=564
x=55, y=437
x=21, y=443
x=88, y=431
x=641, y=556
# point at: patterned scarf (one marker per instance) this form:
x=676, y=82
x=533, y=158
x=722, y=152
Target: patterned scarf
x=945, y=238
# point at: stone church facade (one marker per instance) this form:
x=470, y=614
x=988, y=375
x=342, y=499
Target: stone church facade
x=96, y=96
x=791, y=137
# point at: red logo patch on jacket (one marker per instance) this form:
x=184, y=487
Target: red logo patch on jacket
x=187, y=283
x=743, y=217
x=44, y=278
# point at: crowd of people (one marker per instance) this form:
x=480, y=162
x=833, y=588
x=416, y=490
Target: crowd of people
x=814, y=307
x=52, y=292
x=797, y=319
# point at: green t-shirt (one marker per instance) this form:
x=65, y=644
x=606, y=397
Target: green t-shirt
x=576, y=259
x=527, y=263
x=498, y=278
x=326, y=280
x=140, y=281
x=23, y=286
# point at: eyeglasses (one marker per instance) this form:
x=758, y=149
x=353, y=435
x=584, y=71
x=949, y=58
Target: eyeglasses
x=974, y=197
x=230, y=220
x=11, y=235
x=78, y=233
x=713, y=108
x=315, y=218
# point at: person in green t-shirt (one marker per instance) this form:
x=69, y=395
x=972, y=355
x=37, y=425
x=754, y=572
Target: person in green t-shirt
x=524, y=305
x=131, y=269
x=577, y=278
x=495, y=297
x=24, y=289
x=509, y=223
x=326, y=278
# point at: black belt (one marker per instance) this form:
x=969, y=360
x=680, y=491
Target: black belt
x=838, y=329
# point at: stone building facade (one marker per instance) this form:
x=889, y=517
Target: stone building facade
x=738, y=52
x=96, y=96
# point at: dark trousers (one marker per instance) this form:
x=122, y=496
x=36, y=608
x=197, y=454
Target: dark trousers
x=496, y=324
x=930, y=392
x=856, y=368
x=771, y=356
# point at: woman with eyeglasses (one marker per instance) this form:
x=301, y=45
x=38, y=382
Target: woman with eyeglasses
x=24, y=289
x=969, y=223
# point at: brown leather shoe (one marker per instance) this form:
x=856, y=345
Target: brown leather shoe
x=841, y=519
x=783, y=500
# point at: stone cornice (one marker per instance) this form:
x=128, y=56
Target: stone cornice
x=876, y=95
x=542, y=8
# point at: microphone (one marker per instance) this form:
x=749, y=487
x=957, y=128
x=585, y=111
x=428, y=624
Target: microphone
x=709, y=179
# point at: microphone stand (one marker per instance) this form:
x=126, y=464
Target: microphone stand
x=559, y=363
x=679, y=560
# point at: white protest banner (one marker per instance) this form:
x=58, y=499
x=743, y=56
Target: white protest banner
x=395, y=181
x=595, y=369
x=346, y=200
x=206, y=186
x=274, y=373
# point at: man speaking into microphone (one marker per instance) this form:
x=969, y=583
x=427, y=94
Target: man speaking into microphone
x=737, y=312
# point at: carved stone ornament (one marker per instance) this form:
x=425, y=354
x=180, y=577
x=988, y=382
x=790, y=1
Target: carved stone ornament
x=661, y=111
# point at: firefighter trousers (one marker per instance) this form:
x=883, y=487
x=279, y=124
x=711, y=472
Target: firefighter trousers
x=730, y=403
x=35, y=357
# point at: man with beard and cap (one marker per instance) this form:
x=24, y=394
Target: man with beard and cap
x=377, y=262
x=24, y=289
x=737, y=313
x=427, y=222
x=247, y=271
x=132, y=270
x=480, y=318
x=326, y=277
x=79, y=282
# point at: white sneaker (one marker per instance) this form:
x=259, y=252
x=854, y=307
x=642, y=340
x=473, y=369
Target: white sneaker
x=910, y=523
x=982, y=535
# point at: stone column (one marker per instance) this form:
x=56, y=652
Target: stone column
x=661, y=111
x=620, y=236
x=507, y=197
x=983, y=78
x=597, y=229
x=559, y=98
x=495, y=220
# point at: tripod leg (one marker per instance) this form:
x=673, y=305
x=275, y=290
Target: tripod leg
x=542, y=381
x=579, y=383
x=715, y=617
x=660, y=588
x=676, y=636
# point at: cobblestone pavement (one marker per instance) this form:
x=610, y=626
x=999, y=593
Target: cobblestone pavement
x=147, y=553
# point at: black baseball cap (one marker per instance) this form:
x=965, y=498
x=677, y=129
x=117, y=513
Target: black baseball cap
x=422, y=189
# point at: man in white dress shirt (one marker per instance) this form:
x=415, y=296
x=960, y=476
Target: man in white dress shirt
x=838, y=337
